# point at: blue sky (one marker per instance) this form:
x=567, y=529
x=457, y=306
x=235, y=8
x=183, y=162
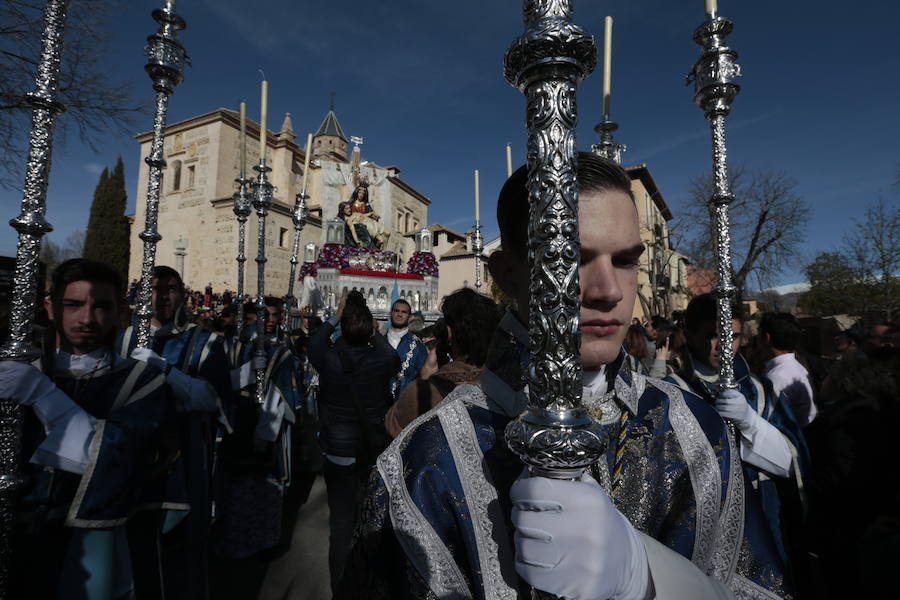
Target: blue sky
x=422, y=82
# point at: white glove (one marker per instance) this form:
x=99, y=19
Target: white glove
x=572, y=542
x=150, y=357
x=732, y=405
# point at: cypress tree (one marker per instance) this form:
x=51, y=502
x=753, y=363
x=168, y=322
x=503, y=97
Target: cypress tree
x=107, y=232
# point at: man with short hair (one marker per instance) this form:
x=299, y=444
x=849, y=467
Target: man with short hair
x=662, y=512
x=96, y=436
x=409, y=348
x=197, y=369
x=780, y=334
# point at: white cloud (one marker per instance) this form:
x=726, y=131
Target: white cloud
x=94, y=168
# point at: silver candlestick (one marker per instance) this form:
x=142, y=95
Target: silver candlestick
x=555, y=437
x=298, y=217
x=31, y=227
x=165, y=66
x=262, y=201
x=713, y=76
x=241, y=211
x=478, y=249
x=608, y=147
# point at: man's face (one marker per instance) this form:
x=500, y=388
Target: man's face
x=703, y=342
x=86, y=316
x=168, y=297
x=650, y=330
x=273, y=318
x=610, y=249
x=843, y=344
x=399, y=315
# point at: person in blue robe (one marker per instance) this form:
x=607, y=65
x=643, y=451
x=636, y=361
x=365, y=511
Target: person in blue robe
x=449, y=512
x=255, y=458
x=410, y=349
x=98, y=447
x=197, y=369
x=774, y=454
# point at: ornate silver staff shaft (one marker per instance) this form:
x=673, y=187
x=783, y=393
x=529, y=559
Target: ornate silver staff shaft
x=165, y=66
x=478, y=250
x=299, y=220
x=262, y=200
x=241, y=211
x=555, y=437
x=714, y=91
x=31, y=227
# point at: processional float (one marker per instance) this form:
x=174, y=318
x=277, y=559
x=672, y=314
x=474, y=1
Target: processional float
x=166, y=58
x=31, y=227
x=713, y=76
x=555, y=437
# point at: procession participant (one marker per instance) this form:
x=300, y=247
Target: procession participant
x=780, y=334
x=255, y=458
x=96, y=437
x=409, y=348
x=665, y=511
x=771, y=442
x=197, y=369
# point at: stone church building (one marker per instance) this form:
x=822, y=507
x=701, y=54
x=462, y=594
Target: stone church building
x=196, y=218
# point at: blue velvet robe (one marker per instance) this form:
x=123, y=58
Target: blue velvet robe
x=436, y=517
x=412, y=353
x=776, y=410
x=69, y=525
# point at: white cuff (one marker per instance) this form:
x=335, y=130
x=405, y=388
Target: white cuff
x=675, y=577
x=67, y=443
x=764, y=447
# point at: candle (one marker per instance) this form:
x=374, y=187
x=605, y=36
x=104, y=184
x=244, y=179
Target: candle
x=508, y=161
x=607, y=64
x=262, y=119
x=712, y=6
x=306, y=161
x=243, y=138
x=477, y=199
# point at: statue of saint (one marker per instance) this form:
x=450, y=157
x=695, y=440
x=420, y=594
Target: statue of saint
x=365, y=229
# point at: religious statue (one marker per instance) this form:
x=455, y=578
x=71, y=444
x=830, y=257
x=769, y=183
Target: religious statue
x=364, y=228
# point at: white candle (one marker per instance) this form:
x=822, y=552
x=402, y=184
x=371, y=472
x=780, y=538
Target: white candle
x=306, y=161
x=508, y=160
x=712, y=6
x=607, y=64
x=477, y=199
x=243, y=138
x=262, y=119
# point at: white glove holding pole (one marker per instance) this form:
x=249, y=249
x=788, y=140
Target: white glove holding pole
x=191, y=393
x=732, y=405
x=68, y=427
x=572, y=542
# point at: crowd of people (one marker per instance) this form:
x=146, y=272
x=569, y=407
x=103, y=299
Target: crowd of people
x=151, y=472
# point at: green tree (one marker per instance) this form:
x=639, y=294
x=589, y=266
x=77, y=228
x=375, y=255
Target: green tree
x=107, y=232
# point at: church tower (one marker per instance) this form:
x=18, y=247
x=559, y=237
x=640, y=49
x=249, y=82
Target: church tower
x=330, y=141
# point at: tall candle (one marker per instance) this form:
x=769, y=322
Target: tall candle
x=306, y=161
x=607, y=64
x=243, y=138
x=508, y=161
x=477, y=199
x=262, y=119
x=712, y=6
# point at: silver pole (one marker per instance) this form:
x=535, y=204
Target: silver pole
x=242, y=211
x=299, y=220
x=555, y=437
x=165, y=66
x=31, y=227
x=713, y=75
x=262, y=200
x=478, y=249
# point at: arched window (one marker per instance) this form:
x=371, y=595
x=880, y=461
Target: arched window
x=176, y=175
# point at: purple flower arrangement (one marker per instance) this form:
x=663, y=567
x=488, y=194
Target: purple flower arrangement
x=422, y=263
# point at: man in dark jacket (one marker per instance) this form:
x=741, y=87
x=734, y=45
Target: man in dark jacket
x=354, y=395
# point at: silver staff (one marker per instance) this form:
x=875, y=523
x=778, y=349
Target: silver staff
x=31, y=227
x=165, y=66
x=299, y=219
x=714, y=90
x=608, y=148
x=262, y=200
x=555, y=437
x=478, y=249
x=241, y=211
